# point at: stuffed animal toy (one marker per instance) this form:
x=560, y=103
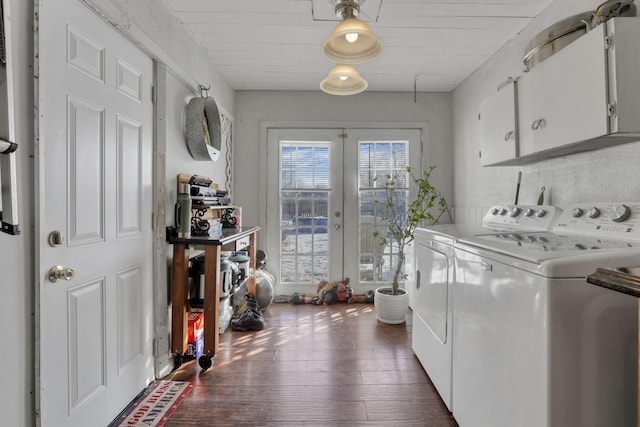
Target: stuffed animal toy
x=332, y=293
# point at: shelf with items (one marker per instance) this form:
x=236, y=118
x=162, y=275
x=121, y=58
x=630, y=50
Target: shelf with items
x=207, y=225
x=211, y=209
x=229, y=239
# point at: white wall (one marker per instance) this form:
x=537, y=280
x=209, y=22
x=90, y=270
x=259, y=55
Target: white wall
x=178, y=158
x=308, y=109
x=17, y=252
x=172, y=158
x=610, y=174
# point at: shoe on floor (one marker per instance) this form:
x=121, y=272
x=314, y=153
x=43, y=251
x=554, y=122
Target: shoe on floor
x=251, y=319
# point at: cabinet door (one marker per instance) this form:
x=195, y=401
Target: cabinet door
x=498, y=127
x=568, y=96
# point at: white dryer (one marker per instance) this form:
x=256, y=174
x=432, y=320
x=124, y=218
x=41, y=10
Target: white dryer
x=534, y=344
x=434, y=283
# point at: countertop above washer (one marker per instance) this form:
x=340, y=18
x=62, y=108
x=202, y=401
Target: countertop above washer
x=621, y=279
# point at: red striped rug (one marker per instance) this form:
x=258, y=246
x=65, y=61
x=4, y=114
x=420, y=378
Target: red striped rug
x=155, y=406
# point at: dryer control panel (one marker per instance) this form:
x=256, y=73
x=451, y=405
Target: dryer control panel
x=522, y=217
x=616, y=219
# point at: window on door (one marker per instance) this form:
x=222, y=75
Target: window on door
x=304, y=203
x=377, y=161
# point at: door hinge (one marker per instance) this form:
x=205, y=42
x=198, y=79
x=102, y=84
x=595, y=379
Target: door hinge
x=612, y=109
x=154, y=95
x=608, y=42
x=153, y=221
x=156, y=350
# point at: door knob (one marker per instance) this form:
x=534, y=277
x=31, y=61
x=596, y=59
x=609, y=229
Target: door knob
x=61, y=273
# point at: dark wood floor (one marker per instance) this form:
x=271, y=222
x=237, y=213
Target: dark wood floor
x=313, y=366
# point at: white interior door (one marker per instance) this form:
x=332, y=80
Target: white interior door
x=95, y=191
x=321, y=211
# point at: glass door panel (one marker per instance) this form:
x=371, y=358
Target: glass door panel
x=378, y=154
x=305, y=205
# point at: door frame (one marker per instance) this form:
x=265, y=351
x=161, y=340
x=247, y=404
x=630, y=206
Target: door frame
x=265, y=233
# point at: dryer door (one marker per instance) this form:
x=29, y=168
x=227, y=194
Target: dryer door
x=432, y=286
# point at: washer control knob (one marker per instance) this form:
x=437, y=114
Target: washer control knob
x=540, y=213
x=495, y=211
x=528, y=212
x=515, y=212
x=576, y=212
x=503, y=211
x=619, y=213
x=580, y=246
x=593, y=212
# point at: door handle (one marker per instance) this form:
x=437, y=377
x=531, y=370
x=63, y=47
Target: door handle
x=486, y=266
x=61, y=273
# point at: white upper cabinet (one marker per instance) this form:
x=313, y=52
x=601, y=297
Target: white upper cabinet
x=498, y=126
x=564, y=98
x=584, y=97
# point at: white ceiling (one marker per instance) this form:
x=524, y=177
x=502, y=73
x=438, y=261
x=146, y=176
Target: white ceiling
x=275, y=44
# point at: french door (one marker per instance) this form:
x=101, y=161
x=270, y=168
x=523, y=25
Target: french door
x=322, y=203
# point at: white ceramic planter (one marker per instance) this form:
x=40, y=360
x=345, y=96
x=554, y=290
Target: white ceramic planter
x=391, y=309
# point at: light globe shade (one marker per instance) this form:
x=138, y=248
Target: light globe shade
x=338, y=49
x=343, y=79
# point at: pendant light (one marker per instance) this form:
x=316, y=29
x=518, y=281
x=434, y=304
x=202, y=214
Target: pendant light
x=343, y=79
x=351, y=41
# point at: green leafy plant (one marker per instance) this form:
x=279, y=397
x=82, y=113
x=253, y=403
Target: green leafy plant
x=426, y=208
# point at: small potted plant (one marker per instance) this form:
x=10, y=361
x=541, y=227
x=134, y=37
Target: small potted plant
x=426, y=208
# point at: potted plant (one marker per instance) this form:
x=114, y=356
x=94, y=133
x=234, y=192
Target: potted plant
x=426, y=208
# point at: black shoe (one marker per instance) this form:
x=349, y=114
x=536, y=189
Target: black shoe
x=248, y=321
x=251, y=319
x=252, y=303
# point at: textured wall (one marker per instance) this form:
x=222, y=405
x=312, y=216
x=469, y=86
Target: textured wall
x=610, y=174
x=306, y=109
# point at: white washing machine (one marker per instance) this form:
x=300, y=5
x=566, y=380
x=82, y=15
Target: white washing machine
x=534, y=344
x=434, y=282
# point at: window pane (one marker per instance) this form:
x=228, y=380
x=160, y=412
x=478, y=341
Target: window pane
x=378, y=162
x=304, y=208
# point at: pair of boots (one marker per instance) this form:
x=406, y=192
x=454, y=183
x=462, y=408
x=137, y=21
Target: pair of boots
x=251, y=319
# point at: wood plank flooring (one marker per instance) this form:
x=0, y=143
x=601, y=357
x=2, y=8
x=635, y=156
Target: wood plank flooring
x=313, y=366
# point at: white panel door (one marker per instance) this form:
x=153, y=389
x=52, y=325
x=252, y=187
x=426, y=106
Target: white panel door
x=94, y=176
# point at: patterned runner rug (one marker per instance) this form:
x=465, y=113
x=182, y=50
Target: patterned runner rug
x=155, y=406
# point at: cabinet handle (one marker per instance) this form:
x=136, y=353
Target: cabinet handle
x=486, y=266
x=539, y=123
x=508, y=135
